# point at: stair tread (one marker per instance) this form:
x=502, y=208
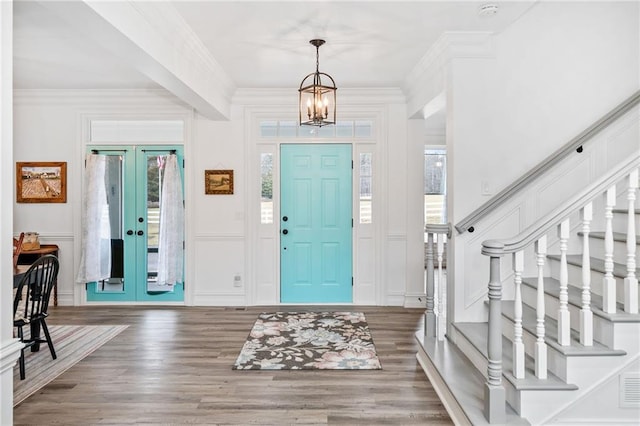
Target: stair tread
x=551, y=333
x=462, y=379
x=552, y=288
x=619, y=270
x=476, y=334
x=617, y=236
x=637, y=211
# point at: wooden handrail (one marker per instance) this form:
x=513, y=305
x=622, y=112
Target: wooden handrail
x=574, y=144
x=540, y=227
x=439, y=228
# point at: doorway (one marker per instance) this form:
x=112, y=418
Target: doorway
x=133, y=182
x=316, y=223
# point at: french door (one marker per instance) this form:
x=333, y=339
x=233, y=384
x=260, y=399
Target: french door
x=316, y=223
x=134, y=192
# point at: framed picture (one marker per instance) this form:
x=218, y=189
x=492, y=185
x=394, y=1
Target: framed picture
x=41, y=182
x=218, y=181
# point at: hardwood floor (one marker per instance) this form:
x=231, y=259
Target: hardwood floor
x=173, y=366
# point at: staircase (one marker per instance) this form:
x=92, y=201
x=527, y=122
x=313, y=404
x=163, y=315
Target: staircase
x=566, y=349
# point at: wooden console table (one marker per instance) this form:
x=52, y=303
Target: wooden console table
x=27, y=257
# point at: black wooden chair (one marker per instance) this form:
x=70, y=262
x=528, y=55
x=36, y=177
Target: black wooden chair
x=31, y=302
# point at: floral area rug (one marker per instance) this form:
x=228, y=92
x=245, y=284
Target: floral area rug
x=309, y=341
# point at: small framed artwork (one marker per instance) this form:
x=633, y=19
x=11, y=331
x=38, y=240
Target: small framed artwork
x=41, y=182
x=218, y=181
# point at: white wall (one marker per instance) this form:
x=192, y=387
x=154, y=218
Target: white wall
x=222, y=231
x=218, y=221
x=553, y=73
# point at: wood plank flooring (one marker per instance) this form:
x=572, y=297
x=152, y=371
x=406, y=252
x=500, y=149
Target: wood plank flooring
x=173, y=366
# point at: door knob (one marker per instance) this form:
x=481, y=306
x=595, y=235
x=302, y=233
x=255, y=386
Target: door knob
x=140, y=233
x=285, y=232
x=129, y=232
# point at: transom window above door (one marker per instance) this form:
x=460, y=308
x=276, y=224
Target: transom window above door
x=287, y=129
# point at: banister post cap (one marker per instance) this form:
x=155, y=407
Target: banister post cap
x=492, y=248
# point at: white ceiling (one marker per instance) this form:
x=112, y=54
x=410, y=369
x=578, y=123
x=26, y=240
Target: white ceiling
x=261, y=43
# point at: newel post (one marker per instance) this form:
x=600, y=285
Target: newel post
x=494, y=392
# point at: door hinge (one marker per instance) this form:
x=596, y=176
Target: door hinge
x=351, y=281
x=352, y=222
x=183, y=163
x=351, y=164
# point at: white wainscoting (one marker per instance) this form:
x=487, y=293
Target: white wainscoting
x=216, y=261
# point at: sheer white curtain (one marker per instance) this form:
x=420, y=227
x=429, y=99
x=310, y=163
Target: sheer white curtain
x=95, y=257
x=170, y=246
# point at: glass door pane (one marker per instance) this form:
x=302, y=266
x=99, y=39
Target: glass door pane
x=155, y=169
x=119, y=169
x=151, y=161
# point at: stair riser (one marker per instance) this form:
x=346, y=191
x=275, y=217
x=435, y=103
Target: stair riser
x=620, y=222
x=596, y=249
x=602, y=329
x=477, y=359
x=575, y=278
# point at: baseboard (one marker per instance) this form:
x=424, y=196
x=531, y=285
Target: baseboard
x=415, y=301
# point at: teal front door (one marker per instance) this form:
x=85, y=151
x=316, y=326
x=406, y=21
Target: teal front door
x=316, y=223
x=133, y=182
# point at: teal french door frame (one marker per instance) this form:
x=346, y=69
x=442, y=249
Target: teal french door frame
x=135, y=225
x=316, y=223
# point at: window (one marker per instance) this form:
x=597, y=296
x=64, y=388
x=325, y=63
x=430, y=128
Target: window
x=366, y=184
x=136, y=131
x=287, y=129
x=435, y=185
x=266, y=185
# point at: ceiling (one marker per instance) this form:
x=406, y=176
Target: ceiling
x=261, y=43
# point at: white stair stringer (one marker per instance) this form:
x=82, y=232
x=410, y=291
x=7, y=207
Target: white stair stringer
x=597, y=401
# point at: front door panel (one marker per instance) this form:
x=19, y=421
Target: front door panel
x=316, y=224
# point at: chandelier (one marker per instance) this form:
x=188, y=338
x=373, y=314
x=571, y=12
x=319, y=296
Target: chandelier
x=317, y=98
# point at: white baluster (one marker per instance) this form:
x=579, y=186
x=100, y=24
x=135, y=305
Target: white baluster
x=518, y=345
x=430, y=317
x=609, y=282
x=541, y=346
x=586, y=315
x=442, y=316
x=630, y=281
x=564, y=326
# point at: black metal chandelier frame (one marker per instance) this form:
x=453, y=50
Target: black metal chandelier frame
x=317, y=99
